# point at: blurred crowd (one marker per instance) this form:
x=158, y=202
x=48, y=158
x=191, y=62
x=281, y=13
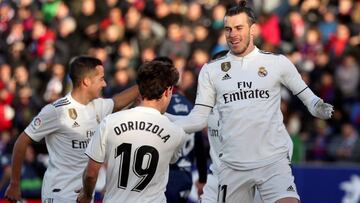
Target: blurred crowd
x=39, y=37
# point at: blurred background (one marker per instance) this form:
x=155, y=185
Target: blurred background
x=321, y=37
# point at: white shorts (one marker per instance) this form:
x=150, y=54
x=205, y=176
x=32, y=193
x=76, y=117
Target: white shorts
x=274, y=182
x=211, y=191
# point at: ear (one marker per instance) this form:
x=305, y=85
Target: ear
x=254, y=30
x=86, y=81
x=168, y=91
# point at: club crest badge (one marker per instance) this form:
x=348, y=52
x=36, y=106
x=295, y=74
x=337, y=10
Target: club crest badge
x=262, y=72
x=72, y=113
x=225, y=66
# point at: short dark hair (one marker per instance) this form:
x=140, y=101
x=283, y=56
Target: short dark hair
x=154, y=77
x=242, y=8
x=81, y=66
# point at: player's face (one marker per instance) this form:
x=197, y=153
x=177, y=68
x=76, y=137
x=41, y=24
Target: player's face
x=97, y=82
x=238, y=33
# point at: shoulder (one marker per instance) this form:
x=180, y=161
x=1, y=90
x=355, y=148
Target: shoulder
x=220, y=64
x=102, y=100
x=217, y=59
x=267, y=53
x=64, y=101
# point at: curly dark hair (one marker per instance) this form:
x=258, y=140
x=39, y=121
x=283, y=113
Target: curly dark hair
x=155, y=77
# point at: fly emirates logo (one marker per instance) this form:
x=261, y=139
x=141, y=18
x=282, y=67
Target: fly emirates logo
x=244, y=92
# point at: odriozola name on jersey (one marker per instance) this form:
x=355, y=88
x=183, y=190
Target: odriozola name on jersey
x=141, y=125
x=245, y=92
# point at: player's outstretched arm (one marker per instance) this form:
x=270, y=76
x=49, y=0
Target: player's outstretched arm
x=125, y=98
x=196, y=120
x=13, y=192
x=89, y=181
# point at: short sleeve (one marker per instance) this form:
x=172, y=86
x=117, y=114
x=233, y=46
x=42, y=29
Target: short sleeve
x=104, y=107
x=290, y=77
x=205, y=90
x=97, y=146
x=45, y=123
x=177, y=152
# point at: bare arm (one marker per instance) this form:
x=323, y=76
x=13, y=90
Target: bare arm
x=89, y=181
x=13, y=192
x=125, y=98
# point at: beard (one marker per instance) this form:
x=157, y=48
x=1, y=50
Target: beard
x=242, y=47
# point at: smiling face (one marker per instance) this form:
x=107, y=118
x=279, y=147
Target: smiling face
x=239, y=34
x=97, y=82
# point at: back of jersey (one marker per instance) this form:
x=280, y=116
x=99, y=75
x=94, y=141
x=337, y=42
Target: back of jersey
x=138, y=145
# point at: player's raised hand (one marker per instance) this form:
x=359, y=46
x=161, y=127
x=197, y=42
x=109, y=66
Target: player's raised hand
x=13, y=193
x=323, y=110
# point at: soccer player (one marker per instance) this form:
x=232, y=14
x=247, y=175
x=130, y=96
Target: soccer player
x=67, y=126
x=245, y=86
x=137, y=144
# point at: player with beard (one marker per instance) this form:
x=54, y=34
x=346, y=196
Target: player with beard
x=245, y=86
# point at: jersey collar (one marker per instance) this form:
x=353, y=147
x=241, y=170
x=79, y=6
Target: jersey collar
x=147, y=110
x=248, y=56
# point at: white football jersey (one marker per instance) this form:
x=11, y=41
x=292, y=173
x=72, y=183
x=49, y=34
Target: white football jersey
x=246, y=91
x=137, y=144
x=67, y=127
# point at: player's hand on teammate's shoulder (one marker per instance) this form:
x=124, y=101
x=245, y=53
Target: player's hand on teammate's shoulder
x=82, y=197
x=13, y=193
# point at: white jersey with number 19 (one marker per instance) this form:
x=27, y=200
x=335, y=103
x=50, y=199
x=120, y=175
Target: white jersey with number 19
x=137, y=144
x=67, y=127
x=246, y=91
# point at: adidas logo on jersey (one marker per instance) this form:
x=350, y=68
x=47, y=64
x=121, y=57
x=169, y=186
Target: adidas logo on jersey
x=75, y=125
x=226, y=77
x=290, y=188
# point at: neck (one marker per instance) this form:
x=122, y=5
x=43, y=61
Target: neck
x=156, y=104
x=249, y=49
x=80, y=96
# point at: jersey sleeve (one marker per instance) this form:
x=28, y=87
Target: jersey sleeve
x=290, y=77
x=205, y=91
x=104, y=106
x=45, y=123
x=97, y=146
x=177, y=152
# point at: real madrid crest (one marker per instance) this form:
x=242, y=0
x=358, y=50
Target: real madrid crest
x=72, y=113
x=225, y=66
x=262, y=72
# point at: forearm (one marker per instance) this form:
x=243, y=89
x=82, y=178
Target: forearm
x=89, y=183
x=18, y=157
x=90, y=177
x=196, y=120
x=125, y=98
x=315, y=105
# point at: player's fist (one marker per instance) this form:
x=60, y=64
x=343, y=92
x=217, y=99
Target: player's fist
x=13, y=193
